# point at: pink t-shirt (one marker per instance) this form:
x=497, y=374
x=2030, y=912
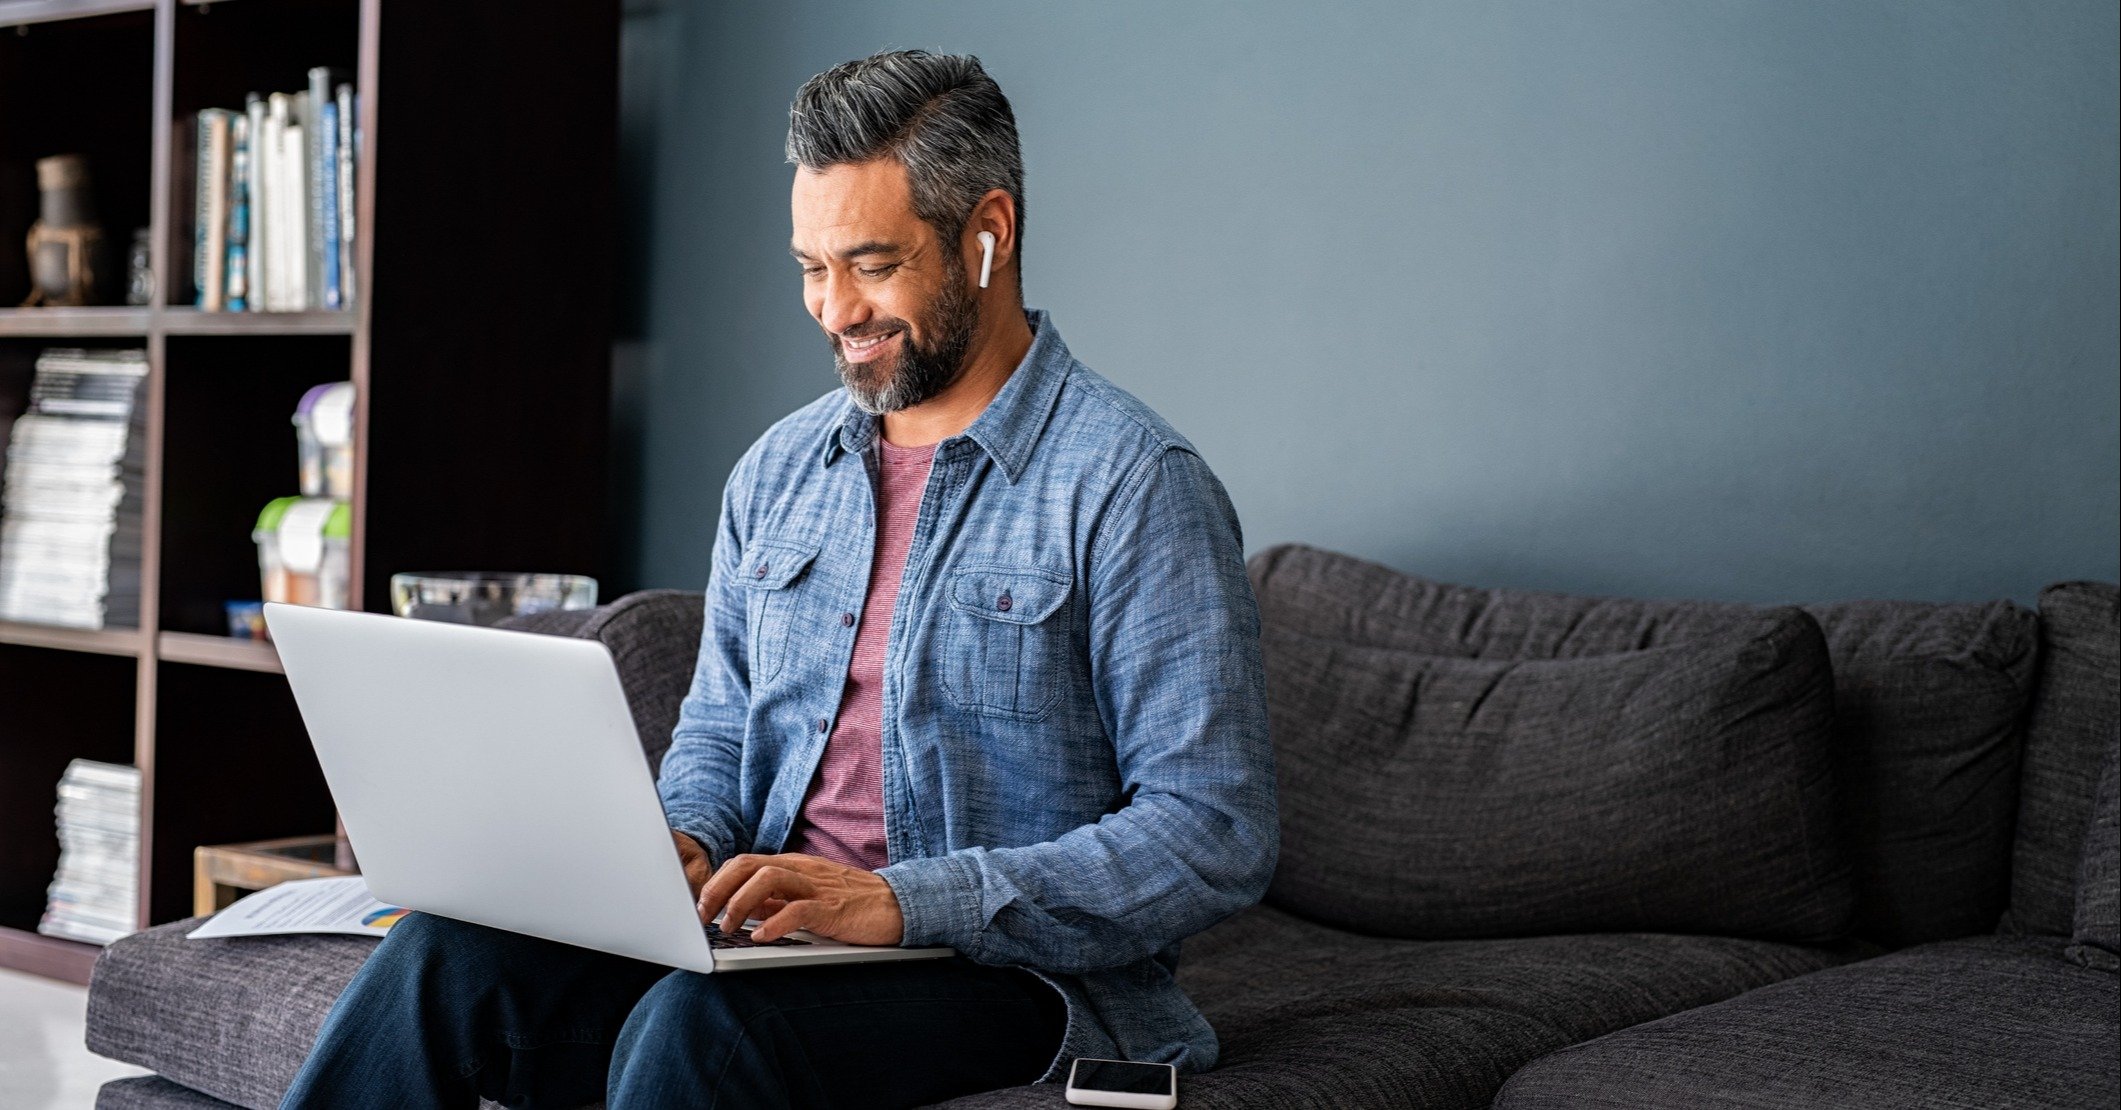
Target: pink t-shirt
x=843, y=813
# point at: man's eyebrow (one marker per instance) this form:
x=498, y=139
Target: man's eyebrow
x=873, y=246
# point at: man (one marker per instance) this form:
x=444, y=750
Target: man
x=980, y=668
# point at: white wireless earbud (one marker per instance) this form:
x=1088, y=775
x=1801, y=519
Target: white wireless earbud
x=986, y=262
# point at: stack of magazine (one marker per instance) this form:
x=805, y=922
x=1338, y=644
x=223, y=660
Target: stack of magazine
x=273, y=200
x=96, y=895
x=70, y=497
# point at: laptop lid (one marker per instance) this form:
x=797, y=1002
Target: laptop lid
x=492, y=776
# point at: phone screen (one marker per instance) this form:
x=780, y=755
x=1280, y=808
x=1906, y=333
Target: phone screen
x=1123, y=1077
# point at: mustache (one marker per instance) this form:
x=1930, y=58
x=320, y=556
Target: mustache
x=868, y=330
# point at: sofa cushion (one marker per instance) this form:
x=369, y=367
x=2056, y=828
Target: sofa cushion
x=2074, y=717
x=1680, y=789
x=1310, y=1016
x=230, y=1018
x=2097, y=940
x=1928, y=706
x=1978, y=1022
x=152, y=1092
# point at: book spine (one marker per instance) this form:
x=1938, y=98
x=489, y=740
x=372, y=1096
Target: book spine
x=201, y=173
x=275, y=194
x=238, y=279
x=320, y=173
x=345, y=95
x=254, y=253
x=297, y=163
x=328, y=200
x=213, y=204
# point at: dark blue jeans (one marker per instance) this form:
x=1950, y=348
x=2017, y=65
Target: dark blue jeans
x=446, y=1012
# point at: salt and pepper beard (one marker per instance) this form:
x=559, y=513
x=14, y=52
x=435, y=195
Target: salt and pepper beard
x=920, y=372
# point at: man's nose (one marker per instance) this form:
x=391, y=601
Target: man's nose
x=843, y=307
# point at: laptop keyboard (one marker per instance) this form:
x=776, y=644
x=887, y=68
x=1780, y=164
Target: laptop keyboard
x=741, y=938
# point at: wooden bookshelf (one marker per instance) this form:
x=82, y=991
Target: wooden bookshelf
x=479, y=342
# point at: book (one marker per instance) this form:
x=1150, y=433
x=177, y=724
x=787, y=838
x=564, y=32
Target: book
x=345, y=97
x=210, y=263
x=254, y=253
x=72, y=492
x=320, y=182
x=328, y=201
x=94, y=895
x=237, y=277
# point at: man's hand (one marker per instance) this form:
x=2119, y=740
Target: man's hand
x=697, y=866
x=803, y=892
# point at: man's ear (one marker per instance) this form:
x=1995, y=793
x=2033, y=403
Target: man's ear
x=995, y=213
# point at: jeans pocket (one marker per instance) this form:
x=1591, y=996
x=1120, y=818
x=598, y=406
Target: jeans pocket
x=1008, y=638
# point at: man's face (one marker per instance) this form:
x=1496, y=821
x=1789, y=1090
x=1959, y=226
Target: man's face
x=890, y=295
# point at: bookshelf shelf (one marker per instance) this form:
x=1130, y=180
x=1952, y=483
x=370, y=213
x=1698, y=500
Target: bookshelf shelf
x=61, y=322
x=52, y=957
x=22, y=13
x=191, y=321
x=479, y=342
x=104, y=641
x=217, y=651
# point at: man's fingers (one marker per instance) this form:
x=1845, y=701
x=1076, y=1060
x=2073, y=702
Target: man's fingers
x=795, y=915
x=767, y=882
x=725, y=882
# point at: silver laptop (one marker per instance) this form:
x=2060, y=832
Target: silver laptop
x=495, y=776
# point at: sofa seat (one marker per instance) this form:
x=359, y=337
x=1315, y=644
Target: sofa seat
x=1980, y=1022
x=230, y=1018
x=1312, y=1016
x=1309, y=1015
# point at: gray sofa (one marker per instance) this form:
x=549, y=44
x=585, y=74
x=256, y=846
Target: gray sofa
x=1538, y=850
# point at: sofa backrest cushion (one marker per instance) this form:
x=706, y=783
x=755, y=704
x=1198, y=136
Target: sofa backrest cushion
x=2097, y=942
x=1929, y=706
x=1680, y=789
x=654, y=636
x=2074, y=715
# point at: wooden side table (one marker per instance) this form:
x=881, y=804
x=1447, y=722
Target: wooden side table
x=222, y=873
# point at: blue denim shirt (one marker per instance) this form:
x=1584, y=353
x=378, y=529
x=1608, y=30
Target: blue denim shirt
x=1076, y=766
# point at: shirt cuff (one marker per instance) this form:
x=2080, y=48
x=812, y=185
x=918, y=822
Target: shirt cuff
x=700, y=827
x=938, y=900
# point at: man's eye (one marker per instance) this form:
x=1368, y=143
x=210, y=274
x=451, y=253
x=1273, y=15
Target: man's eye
x=879, y=271
x=813, y=271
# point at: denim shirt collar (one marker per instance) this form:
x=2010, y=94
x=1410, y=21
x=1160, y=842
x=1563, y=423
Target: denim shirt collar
x=1009, y=427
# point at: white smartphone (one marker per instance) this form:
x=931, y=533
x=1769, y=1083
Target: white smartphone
x=1123, y=1083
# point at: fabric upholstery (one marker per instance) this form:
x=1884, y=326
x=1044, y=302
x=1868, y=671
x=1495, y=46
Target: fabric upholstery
x=1929, y=700
x=152, y=1092
x=1310, y=1016
x=2075, y=714
x=1680, y=789
x=2097, y=941
x=1973, y=1023
x=231, y=1018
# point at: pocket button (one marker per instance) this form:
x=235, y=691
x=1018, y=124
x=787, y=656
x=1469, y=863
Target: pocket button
x=1002, y=602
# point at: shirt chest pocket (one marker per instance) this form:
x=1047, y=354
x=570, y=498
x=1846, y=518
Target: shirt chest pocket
x=1006, y=640
x=772, y=571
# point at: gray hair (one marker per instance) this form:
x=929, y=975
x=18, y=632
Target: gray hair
x=939, y=115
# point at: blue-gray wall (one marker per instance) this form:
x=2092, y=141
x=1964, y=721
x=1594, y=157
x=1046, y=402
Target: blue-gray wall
x=1766, y=300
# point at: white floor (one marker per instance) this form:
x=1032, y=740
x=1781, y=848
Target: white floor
x=43, y=1064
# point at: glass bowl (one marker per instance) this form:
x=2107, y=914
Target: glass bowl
x=487, y=597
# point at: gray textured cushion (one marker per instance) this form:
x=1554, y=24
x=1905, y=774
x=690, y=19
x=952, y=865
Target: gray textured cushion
x=1681, y=789
x=1974, y=1023
x=2074, y=716
x=2097, y=941
x=231, y=1018
x=1313, y=1017
x=1928, y=704
x=152, y=1092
